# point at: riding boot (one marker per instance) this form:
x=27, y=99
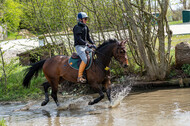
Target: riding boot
x=80, y=78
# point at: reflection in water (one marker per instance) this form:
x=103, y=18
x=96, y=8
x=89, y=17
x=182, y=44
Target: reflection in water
x=169, y=107
x=47, y=114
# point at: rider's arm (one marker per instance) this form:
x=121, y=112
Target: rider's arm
x=88, y=37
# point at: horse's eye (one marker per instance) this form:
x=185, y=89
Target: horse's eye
x=122, y=51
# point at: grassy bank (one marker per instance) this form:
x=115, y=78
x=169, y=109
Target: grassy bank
x=14, y=90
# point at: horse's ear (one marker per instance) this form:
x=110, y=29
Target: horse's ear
x=123, y=42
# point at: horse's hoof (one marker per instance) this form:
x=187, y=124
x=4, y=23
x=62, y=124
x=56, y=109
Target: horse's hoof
x=57, y=104
x=90, y=103
x=110, y=100
x=44, y=103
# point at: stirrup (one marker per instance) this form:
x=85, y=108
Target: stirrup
x=81, y=80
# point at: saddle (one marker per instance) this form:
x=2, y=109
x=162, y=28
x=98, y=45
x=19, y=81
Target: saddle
x=75, y=55
x=75, y=60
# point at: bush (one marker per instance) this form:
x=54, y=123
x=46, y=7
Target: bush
x=186, y=69
x=116, y=69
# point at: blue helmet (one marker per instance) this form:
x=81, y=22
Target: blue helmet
x=81, y=15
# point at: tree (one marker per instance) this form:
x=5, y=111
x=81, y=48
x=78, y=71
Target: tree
x=145, y=29
x=184, y=2
x=4, y=75
x=12, y=14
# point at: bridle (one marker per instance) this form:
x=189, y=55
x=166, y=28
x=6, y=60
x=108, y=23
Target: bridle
x=104, y=56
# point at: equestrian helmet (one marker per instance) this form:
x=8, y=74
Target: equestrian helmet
x=81, y=15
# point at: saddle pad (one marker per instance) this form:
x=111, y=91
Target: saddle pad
x=75, y=63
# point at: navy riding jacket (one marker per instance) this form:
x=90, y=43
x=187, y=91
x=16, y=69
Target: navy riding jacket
x=81, y=34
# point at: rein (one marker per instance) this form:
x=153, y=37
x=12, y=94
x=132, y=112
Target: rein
x=100, y=63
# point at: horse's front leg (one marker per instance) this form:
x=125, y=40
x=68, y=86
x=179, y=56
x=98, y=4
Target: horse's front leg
x=108, y=93
x=100, y=93
x=107, y=86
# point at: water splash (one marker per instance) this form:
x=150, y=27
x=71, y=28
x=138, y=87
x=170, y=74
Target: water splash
x=120, y=91
x=119, y=95
x=75, y=103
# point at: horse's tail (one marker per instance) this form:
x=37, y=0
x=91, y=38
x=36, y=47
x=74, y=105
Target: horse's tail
x=34, y=69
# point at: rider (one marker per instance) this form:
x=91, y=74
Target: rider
x=81, y=39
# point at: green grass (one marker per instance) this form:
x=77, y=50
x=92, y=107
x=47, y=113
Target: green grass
x=14, y=89
x=13, y=36
x=175, y=22
x=180, y=38
x=176, y=39
x=2, y=122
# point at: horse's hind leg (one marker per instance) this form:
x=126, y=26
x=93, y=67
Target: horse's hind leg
x=100, y=93
x=54, y=96
x=54, y=92
x=46, y=86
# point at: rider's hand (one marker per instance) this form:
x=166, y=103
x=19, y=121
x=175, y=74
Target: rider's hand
x=88, y=45
x=93, y=46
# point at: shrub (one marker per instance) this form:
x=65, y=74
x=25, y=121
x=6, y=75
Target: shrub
x=186, y=69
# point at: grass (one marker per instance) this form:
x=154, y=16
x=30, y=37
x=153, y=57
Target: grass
x=14, y=89
x=175, y=22
x=2, y=122
x=13, y=36
x=180, y=38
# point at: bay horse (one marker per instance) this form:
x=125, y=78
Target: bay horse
x=57, y=69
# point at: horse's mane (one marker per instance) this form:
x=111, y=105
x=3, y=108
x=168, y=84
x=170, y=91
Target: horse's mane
x=110, y=41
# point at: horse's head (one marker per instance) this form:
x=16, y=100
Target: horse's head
x=120, y=55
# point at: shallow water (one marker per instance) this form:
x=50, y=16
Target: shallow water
x=162, y=107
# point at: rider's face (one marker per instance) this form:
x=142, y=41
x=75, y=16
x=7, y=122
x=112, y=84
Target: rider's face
x=84, y=20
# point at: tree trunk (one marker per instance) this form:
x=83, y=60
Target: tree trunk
x=141, y=26
x=3, y=68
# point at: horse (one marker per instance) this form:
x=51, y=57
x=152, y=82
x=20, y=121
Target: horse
x=57, y=69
